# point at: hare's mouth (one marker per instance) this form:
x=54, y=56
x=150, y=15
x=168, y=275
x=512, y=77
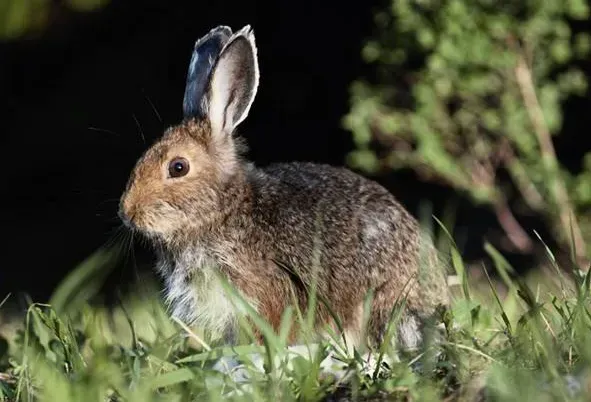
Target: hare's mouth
x=153, y=222
x=136, y=220
x=128, y=217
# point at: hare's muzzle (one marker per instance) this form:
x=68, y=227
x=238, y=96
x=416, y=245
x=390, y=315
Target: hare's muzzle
x=127, y=211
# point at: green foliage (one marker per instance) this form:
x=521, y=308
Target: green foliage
x=21, y=17
x=504, y=341
x=464, y=89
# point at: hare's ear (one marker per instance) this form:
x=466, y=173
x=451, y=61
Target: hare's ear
x=234, y=82
x=205, y=54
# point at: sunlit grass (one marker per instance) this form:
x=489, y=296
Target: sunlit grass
x=504, y=339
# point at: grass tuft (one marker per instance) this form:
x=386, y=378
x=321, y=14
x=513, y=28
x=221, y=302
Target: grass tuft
x=502, y=340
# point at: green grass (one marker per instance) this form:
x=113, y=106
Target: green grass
x=504, y=340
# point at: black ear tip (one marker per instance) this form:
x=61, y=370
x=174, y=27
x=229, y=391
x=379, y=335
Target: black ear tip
x=221, y=32
x=206, y=50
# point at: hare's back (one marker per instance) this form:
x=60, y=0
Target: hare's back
x=357, y=218
x=326, y=184
x=365, y=237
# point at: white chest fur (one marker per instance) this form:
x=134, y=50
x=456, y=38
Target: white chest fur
x=196, y=295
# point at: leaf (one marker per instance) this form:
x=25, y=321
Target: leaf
x=172, y=378
x=214, y=354
x=83, y=283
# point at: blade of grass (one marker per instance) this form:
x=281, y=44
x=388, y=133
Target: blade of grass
x=172, y=378
x=498, y=300
x=501, y=264
x=457, y=262
x=83, y=282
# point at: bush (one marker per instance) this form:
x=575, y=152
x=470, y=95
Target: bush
x=465, y=91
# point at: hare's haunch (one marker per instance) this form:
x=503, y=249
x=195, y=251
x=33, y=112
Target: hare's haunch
x=270, y=232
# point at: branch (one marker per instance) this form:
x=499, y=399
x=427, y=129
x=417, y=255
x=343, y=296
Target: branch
x=512, y=228
x=515, y=232
x=530, y=194
x=536, y=115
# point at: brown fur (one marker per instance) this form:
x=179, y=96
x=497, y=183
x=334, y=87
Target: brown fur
x=270, y=231
x=240, y=217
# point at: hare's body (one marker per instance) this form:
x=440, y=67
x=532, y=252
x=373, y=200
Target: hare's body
x=271, y=232
x=355, y=237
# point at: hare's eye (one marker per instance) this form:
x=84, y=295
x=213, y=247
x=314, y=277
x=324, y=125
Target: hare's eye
x=178, y=167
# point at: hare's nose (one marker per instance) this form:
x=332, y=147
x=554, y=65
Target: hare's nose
x=126, y=211
x=123, y=216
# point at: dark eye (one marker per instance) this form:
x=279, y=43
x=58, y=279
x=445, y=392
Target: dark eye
x=178, y=167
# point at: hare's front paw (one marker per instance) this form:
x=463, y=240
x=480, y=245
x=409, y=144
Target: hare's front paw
x=231, y=367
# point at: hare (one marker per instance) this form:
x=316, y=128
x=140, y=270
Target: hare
x=271, y=232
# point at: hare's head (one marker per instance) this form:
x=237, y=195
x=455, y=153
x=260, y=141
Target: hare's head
x=178, y=182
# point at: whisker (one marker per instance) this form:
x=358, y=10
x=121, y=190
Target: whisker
x=102, y=130
x=126, y=248
x=139, y=127
x=115, y=236
x=152, y=105
x=109, y=200
x=134, y=260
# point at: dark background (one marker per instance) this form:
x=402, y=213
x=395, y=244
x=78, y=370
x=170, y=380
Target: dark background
x=81, y=102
